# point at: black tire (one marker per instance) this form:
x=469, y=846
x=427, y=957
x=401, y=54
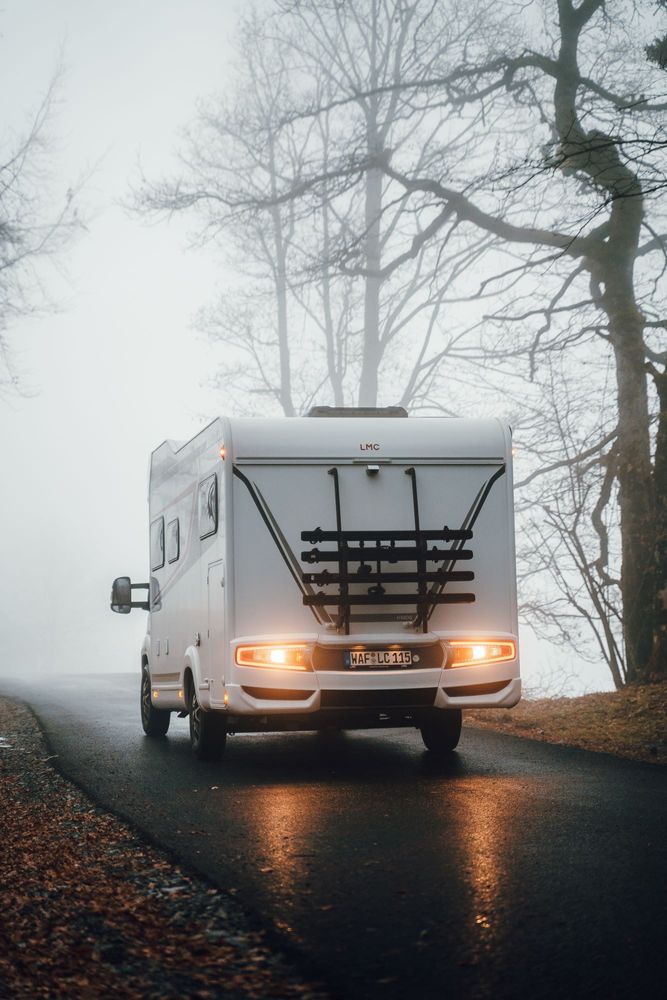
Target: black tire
x=442, y=731
x=155, y=721
x=208, y=731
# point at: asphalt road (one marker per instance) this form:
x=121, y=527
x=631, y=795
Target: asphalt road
x=517, y=869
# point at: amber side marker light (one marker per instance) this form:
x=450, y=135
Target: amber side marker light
x=292, y=657
x=474, y=652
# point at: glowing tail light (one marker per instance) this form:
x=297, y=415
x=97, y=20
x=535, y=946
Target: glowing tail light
x=290, y=657
x=474, y=652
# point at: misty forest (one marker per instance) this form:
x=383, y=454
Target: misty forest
x=459, y=208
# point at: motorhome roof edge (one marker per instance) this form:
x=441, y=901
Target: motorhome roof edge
x=172, y=446
x=357, y=411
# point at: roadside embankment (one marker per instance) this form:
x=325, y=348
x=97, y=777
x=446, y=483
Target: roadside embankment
x=630, y=723
x=88, y=909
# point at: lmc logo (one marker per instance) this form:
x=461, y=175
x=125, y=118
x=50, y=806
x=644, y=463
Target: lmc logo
x=369, y=447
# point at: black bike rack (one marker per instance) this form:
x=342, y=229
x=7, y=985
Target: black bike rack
x=373, y=550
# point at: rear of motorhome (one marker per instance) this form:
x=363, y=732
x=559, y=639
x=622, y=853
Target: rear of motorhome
x=348, y=569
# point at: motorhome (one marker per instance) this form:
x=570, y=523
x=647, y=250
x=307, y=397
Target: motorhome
x=350, y=569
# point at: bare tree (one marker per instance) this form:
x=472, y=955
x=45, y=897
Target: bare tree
x=310, y=231
x=568, y=544
x=486, y=180
x=656, y=51
x=34, y=227
x=581, y=180
x=365, y=50
x=231, y=159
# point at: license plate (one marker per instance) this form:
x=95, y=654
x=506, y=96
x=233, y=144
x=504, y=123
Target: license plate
x=377, y=658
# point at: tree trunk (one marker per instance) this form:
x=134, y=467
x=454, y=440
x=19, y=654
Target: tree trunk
x=283, y=344
x=370, y=362
x=280, y=278
x=368, y=383
x=597, y=155
x=280, y=275
x=332, y=343
x=658, y=665
x=634, y=472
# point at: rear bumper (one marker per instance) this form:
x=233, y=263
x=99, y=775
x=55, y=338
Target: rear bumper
x=367, y=694
x=375, y=710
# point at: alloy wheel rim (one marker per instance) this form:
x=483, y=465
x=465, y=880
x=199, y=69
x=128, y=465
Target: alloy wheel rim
x=145, y=696
x=195, y=715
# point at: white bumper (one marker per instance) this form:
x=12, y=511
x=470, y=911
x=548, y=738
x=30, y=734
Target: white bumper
x=271, y=691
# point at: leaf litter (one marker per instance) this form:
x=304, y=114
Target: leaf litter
x=89, y=909
x=630, y=723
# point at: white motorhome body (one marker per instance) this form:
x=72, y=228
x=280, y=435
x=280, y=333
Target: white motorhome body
x=339, y=571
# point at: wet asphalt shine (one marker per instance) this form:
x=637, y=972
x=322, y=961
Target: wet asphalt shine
x=516, y=869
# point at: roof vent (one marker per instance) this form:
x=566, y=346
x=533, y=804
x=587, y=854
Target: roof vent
x=357, y=411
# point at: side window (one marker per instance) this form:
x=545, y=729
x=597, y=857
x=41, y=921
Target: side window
x=173, y=541
x=157, y=544
x=208, y=506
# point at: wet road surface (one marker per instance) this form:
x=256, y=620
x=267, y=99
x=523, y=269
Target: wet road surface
x=516, y=869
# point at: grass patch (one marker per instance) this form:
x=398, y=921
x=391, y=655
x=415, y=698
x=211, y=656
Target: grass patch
x=629, y=723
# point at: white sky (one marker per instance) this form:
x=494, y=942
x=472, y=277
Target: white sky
x=119, y=368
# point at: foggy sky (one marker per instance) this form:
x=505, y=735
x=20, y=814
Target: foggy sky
x=118, y=368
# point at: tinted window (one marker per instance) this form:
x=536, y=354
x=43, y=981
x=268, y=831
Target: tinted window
x=208, y=507
x=173, y=541
x=157, y=544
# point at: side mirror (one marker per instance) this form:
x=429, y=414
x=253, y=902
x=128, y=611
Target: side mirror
x=121, y=595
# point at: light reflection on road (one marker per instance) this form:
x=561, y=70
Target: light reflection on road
x=286, y=821
x=293, y=821
x=480, y=822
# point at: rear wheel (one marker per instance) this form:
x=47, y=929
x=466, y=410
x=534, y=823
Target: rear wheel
x=442, y=731
x=208, y=731
x=155, y=721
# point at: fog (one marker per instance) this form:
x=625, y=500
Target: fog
x=117, y=368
